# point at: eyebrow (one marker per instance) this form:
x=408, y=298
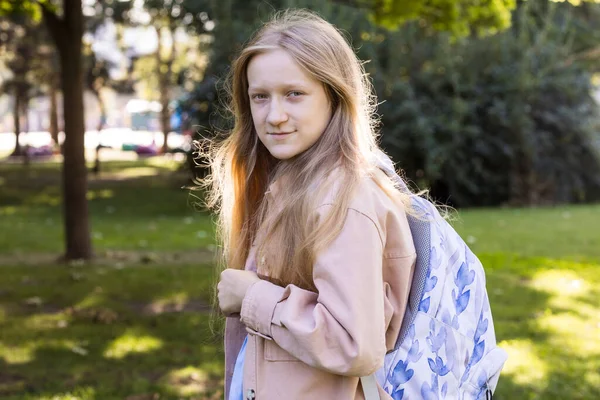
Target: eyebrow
x=287, y=86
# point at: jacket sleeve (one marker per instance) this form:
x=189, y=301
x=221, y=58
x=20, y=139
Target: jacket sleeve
x=340, y=329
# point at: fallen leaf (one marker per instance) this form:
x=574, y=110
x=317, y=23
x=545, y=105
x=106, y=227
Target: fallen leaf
x=79, y=350
x=34, y=301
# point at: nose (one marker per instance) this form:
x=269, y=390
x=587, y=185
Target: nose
x=277, y=114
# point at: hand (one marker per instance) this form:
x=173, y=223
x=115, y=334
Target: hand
x=232, y=289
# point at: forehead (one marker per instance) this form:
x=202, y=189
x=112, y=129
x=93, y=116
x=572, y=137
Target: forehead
x=276, y=68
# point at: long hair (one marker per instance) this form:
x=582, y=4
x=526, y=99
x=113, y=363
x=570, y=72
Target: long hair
x=284, y=229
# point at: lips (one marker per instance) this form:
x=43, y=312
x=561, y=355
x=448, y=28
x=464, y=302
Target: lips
x=280, y=133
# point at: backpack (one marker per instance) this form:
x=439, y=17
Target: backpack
x=446, y=348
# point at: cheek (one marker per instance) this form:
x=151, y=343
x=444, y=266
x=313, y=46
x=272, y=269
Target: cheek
x=257, y=115
x=255, y=119
x=324, y=117
x=323, y=110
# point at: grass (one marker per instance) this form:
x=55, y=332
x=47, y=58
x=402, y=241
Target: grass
x=134, y=324
x=543, y=279
x=559, y=232
x=133, y=206
x=106, y=332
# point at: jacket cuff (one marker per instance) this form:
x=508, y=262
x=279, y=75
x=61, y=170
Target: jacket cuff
x=259, y=305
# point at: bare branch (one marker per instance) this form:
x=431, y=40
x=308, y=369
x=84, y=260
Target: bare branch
x=589, y=54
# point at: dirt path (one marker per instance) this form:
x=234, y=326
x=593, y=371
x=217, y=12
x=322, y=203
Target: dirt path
x=114, y=258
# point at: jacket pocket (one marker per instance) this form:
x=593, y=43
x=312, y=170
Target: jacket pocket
x=275, y=353
x=482, y=380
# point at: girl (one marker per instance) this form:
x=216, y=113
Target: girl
x=316, y=241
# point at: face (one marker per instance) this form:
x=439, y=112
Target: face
x=290, y=108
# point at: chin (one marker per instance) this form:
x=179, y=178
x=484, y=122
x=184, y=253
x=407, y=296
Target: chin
x=283, y=154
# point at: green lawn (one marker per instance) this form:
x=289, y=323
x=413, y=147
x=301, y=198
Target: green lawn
x=135, y=323
x=134, y=206
x=108, y=332
x=543, y=278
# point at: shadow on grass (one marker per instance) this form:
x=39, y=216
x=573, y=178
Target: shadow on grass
x=123, y=335
x=548, y=320
x=184, y=367
x=91, y=337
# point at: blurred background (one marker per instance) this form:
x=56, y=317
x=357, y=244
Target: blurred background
x=107, y=260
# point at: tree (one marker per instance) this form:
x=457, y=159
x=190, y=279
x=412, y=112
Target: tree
x=167, y=66
x=167, y=16
x=494, y=120
x=66, y=30
x=53, y=83
x=19, y=50
x=460, y=17
x=28, y=54
x=96, y=79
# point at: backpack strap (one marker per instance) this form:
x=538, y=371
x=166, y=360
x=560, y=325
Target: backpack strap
x=421, y=233
x=369, y=386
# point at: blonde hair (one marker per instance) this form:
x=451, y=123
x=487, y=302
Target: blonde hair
x=242, y=168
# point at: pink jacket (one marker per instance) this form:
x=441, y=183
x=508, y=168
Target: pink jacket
x=306, y=345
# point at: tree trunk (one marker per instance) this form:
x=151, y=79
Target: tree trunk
x=53, y=111
x=163, y=71
x=78, y=243
x=101, y=123
x=17, y=120
x=67, y=33
x=165, y=117
x=25, y=114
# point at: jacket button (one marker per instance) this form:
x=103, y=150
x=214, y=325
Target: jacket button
x=250, y=395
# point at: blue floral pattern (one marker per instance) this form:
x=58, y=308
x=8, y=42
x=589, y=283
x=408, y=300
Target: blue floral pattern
x=450, y=350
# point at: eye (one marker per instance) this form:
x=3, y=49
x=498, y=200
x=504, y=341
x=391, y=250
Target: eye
x=295, y=93
x=258, y=96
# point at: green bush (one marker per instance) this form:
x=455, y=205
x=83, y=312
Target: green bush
x=489, y=121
